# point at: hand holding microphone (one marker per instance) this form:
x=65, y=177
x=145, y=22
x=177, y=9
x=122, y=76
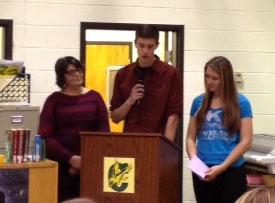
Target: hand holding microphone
x=139, y=100
x=137, y=93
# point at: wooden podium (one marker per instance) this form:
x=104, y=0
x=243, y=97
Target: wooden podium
x=156, y=167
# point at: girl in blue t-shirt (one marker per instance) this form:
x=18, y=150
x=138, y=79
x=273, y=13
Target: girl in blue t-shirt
x=221, y=124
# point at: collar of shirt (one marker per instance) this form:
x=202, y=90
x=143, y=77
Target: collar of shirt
x=155, y=67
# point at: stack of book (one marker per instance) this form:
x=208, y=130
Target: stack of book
x=17, y=147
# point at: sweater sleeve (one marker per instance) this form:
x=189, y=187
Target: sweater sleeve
x=54, y=150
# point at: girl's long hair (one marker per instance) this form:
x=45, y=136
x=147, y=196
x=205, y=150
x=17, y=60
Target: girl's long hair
x=229, y=96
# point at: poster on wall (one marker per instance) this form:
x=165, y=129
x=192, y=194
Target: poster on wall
x=14, y=185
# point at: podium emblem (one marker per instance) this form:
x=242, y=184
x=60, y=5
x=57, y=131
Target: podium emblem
x=119, y=175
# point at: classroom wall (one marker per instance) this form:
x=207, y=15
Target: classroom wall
x=242, y=30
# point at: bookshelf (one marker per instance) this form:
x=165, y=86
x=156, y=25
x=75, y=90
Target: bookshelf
x=43, y=180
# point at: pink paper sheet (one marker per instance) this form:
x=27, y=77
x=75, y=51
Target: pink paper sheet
x=198, y=167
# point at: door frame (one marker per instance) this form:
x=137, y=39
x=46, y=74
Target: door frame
x=179, y=29
x=7, y=24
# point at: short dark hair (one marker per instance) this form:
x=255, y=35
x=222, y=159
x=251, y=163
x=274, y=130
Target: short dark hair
x=61, y=66
x=147, y=31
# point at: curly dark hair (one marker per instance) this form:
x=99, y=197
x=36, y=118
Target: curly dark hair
x=61, y=66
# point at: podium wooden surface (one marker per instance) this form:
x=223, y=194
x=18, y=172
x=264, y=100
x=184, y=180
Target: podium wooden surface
x=157, y=166
x=43, y=180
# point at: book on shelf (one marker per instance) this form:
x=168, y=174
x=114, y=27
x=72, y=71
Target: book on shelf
x=17, y=146
x=43, y=150
x=14, y=145
x=27, y=133
x=9, y=148
x=37, y=141
x=20, y=145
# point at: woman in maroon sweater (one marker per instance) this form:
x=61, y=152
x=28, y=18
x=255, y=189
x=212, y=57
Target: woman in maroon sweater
x=64, y=114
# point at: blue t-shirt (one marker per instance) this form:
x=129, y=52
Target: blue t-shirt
x=213, y=142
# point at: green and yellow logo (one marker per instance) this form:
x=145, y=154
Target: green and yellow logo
x=119, y=174
x=9, y=70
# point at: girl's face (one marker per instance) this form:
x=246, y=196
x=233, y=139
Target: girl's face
x=212, y=80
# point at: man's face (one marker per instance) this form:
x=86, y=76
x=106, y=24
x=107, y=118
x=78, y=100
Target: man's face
x=146, y=48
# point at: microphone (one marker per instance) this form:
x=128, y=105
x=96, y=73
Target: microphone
x=140, y=81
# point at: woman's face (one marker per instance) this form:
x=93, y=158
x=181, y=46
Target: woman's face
x=73, y=76
x=212, y=80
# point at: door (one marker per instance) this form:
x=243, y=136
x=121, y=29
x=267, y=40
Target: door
x=103, y=59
